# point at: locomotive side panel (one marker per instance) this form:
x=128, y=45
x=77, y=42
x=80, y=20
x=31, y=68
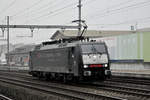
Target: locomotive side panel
x=76, y=60
x=51, y=60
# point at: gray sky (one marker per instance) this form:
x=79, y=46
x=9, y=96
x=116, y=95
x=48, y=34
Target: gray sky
x=99, y=15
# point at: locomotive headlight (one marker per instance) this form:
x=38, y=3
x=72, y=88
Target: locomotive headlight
x=94, y=56
x=85, y=66
x=106, y=65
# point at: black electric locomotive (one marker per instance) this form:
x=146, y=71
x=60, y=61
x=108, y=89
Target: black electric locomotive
x=70, y=60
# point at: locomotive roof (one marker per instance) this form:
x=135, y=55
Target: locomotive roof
x=59, y=34
x=55, y=44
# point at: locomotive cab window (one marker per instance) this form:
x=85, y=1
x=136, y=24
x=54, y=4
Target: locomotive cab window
x=93, y=48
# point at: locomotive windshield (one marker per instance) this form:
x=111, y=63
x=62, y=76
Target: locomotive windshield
x=93, y=48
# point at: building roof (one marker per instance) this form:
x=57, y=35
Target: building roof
x=90, y=33
x=23, y=49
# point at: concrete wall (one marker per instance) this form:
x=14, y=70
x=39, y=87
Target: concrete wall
x=134, y=67
x=129, y=47
x=122, y=46
x=146, y=46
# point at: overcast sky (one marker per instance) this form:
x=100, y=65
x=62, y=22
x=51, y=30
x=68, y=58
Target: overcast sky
x=99, y=15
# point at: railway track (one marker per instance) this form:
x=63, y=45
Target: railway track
x=124, y=91
x=118, y=79
x=113, y=89
x=138, y=93
x=71, y=93
x=130, y=80
x=2, y=97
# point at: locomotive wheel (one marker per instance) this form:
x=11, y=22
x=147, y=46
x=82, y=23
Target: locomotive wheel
x=40, y=75
x=70, y=77
x=48, y=77
x=64, y=79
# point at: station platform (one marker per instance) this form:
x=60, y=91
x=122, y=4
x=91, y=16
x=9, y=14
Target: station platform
x=132, y=73
x=14, y=68
x=130, y=68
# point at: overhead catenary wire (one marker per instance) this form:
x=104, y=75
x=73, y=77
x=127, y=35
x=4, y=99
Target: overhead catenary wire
x=51, y=13
x=115, y=6
x=27, y=8
x=54, y=11
x=88, y=1
x=59, y=11
x=139, y=20
x=120, y=9
x=7, y=7
x=3, y=21
x=70, y=22
x=38, y=10
x=55, y=14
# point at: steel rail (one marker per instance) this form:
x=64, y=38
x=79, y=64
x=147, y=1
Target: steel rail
x=58, y=90
x=124, y=89
x=2, y=97
x=128, y=80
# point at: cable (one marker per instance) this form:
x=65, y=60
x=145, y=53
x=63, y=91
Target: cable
x=124, y=9
x=117, y=5
x=3, y=21
x=113, y=6
x=7, y=7
x=58, y=13
x=127, y=7
x=57, y=10
x=27, y=8
x=125, y=22
x=88, y=2
x=35, y=10
x=40, y=11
